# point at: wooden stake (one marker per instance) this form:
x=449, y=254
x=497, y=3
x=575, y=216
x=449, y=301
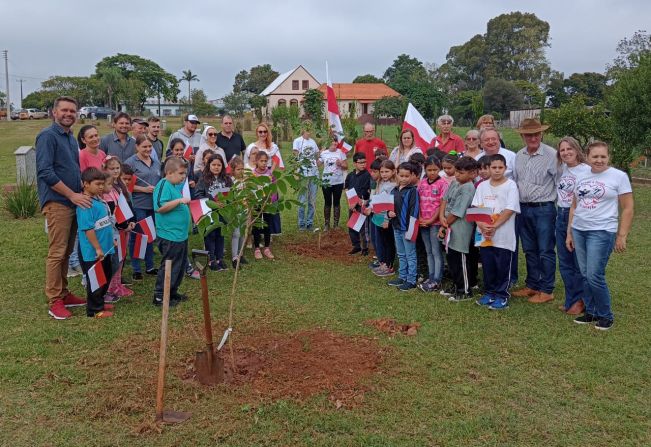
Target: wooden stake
x=160, y=390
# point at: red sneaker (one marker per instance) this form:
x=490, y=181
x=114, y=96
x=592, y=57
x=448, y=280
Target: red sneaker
x=103, y=314
x=109, y=307
x=58, y=311
x=70, y=300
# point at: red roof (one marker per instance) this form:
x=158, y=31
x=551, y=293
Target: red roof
x=360, y=92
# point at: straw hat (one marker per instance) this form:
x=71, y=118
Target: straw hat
x=531, y=125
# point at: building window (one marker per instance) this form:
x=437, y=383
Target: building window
x=282, y=102
x=294, y=85
x=167, y=112
x=306, y=85
x=293, y=102
x=365, y=108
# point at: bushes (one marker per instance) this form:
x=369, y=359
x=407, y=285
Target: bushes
x=22, y=202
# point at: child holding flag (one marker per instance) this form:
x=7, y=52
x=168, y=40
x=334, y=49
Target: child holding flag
x=262, y=169
x=358, y=191
x=172, y=227
x=385, y=247
x=95, y=243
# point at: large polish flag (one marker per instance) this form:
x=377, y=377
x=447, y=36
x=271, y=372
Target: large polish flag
x=122, y=210
x=139, y=246
x=148, y=228
x=334, y=118
x=96, y=276
x=424, y=136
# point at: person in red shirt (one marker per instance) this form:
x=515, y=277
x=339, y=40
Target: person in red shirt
x=370, y=144
x=448, y=140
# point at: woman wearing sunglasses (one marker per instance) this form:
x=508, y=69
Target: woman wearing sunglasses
x=208, y=141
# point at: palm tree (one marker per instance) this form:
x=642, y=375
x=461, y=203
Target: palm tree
x=189, y=77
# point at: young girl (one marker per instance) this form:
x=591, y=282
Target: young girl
x=237, y=239
x=430, y=192
x=334, y=165
x=385, y=245
x=447, y=164
x=262, y=169
x=112, y=189
x=213, y=183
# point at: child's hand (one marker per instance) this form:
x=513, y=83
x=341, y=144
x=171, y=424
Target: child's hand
x=131, y=226
x=391, y=214
x=367, y=211
x=184, y=200
x=441, y=232
x=444, y=223
x=99, y=254
x=149, y=189
x=385, y=225
x=191, y=183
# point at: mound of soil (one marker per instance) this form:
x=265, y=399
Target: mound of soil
x=335, y=245
x=391, y=328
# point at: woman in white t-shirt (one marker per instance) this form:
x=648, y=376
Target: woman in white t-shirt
x=570, y=166
x=263, y=143
x=334, y=164
x=596, y=228
x=405, y=149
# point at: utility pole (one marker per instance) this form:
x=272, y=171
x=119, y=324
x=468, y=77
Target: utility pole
x=8, y=104
x=21, y=90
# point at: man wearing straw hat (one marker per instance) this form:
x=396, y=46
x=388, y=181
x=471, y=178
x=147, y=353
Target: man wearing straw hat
x=535, y=175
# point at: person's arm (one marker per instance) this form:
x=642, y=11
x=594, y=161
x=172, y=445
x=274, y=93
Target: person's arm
x=170, y=205
x=569, y=241
x=92, y=238
x=625, y=221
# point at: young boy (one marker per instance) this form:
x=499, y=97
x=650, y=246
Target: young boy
x=501, y=195
x=405, y=225
x=373, y=229
x=484, y=171
x=172, y=226
x=360, y=180
x=452, y=215
x=95, y=231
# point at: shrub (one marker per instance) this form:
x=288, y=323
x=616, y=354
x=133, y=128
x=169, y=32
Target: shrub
x=22, y=202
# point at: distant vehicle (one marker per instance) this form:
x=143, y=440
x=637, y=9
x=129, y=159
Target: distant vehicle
x=32, y=114
x=100, y=112
x=15, y=114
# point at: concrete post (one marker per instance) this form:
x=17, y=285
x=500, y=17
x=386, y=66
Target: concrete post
x=25, y=164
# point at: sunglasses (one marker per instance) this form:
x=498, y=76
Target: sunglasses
x=262, y=131
x=212, y=134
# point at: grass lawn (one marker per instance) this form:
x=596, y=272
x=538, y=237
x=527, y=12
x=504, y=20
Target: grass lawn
x=526, y=376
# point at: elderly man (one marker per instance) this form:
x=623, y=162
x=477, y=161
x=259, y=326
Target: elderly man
x=535, y=175
x=59, y=191
x=489, y=139
x=447, y=141
x=370, y=144
x=229, y=140
x=188, y=133
x=306, y=152
x=118, y=143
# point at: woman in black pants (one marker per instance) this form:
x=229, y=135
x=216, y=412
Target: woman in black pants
x=334, y=165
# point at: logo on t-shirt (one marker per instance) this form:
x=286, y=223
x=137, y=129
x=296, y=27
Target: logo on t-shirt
x=590, y=193
x=566, y=188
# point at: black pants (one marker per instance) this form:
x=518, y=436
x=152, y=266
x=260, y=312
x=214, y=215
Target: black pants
x=214, y=242
x=496, y=263
x=388, y=245
x=177, y=252
x=264, y=231
x=332, y=195
x=95, y=300
x=473, y=264
x=359, y=239
x=458, y=265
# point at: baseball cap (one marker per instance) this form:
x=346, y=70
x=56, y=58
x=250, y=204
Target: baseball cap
x=192, y=119
x=140, y=121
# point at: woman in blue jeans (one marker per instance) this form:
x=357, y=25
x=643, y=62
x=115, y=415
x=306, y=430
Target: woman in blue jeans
x=570, y=166
x=595, y=228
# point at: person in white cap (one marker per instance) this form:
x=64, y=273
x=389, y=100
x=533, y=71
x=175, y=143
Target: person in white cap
x=187, y=133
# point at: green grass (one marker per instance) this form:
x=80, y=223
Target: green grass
x=527, y=376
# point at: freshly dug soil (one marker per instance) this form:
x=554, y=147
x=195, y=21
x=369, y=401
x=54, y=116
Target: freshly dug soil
x=335, y=245
x=391, y=328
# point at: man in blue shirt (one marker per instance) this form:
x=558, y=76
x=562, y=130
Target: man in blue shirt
x=59, y=191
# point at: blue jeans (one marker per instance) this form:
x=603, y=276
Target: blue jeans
x=434, y=253
x=538, y=243
x=140, y=214
x=73, y=261
x=307, y=197
x=567, y=263
x=406, y=256
x=592, y=250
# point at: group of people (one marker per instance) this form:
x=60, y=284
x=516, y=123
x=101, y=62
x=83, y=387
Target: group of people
x=468, y=198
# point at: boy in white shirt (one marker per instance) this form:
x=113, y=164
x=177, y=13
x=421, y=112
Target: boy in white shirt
x=498, y=242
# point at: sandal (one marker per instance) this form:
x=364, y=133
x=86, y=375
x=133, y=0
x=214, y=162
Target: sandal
x=267, y=253
x=257, y=254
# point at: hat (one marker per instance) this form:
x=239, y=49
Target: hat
x=140, y=121
x=192, y=119
x=531, y=125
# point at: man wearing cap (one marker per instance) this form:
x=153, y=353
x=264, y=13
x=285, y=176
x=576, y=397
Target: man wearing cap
x=187, y=133
x=118, y=143
x=153, y=130
x=229, y=140
x=535, y=175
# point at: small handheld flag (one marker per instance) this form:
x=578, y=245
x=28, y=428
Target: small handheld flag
x=480, y=214
x=198, y=209
x=96, y=276
x=139, y=246
x=148, y=228
x=189, y=151
x=132, y=183
x=383, y=202
x=122, y=209
x=122, y=245
x=412, y=230
x=356, y=221
x=186, y=190
x=277, y=159
x=353, y=198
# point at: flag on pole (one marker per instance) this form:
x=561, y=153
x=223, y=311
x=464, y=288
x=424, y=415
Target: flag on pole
x=139, y=246
x=199, y=208
x=356, y=221
x=186, y=190
x=480, y=214
x=148, y=228
x=353, y=198
x=334, y=119
x=412, y=230
x=122, y=245
x=122, y=209
x=424, y=136
x=277, y=159
x=132, y=183
x=189, y=151
x=383, y=202
x=96, y=276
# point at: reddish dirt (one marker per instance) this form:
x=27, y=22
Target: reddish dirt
x=335, y=245
x=391, y=328
x=302, y=364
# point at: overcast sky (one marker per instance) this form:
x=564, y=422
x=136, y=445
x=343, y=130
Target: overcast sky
x=216, y=39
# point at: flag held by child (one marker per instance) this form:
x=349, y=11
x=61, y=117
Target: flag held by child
x=148, y=228
x=424, y=136
x=198, y=209
x=132, y=183
x=122, y=245
x=96, y=276
x=139, y=246
x=383, y=202
x=185, y=192
x=188, y=152
x=412, y=230
x=122, y=210
x=277, y=159
x=356, y=221
x=353, y=198
x=479, y=214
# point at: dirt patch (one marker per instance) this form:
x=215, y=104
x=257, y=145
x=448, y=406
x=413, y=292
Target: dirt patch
x=335, y=245
x=391, y=328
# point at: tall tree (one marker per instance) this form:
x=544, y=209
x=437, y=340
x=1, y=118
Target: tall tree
x=367, y=79
x=555, y=90
x=465, y=65
x=573, y=118
x=501, y=96
x=200, y=104
x=591, y=85
x=255, y=80
x=188, y=76
x=629, y=51
x=314, y=106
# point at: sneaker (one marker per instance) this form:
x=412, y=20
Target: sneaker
x=460, y=296
x=58, y=311
x=234, y=263
x=450, y=291
x=396, y=282
x=499, y=304
x=74, y=271
x=586, y=319
x=354, y=251
x=111, y=298
x=485, y=300
x=159, y=302
x=428, y=286
x=109, y=307
x=179, y=297
x=70, y=300
x=152, y=272
x=407, y=286
x=221, y=266
x=137, y=276
x=212, y=265
x=102, y=314
x=384, y=272
x=373, y=265
x=267, y=253
x=257, y=254
x=603, y=324
x=365, y=252
x=194, y=274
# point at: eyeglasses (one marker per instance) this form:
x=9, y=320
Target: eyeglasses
x=472, y=139
x=262, y=131
x=212, y=134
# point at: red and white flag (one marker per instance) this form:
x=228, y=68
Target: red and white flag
x=356, y=221
x=334, y=118
x=383, y=202
x=185, y=192
x=189, y=151
x=96, y=276
x=424, y=136
x=229, y=170
x=122, y=245
x=480, y=214
x=353, y=198
x=132, y=183
x=148, y=228
x=277, y=159
x=139, y=246
x=122, y=209
x=198, y=209
x=412, y=230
